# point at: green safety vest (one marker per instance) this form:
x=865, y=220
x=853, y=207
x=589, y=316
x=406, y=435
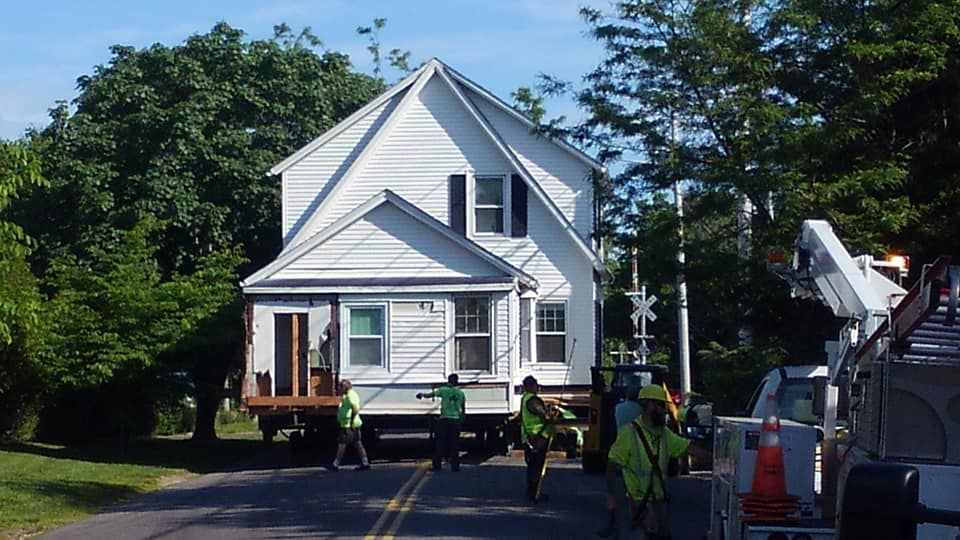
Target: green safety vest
x=531, y=423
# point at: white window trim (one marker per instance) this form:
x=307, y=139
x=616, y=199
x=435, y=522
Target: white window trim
x=472, y=203
x=346, y=365
x=537, y=333
x=528, y=329
x=491, y=335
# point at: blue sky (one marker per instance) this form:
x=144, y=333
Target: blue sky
x=500, y=44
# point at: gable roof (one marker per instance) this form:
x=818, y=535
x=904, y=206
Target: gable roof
x=412, y=86
x=386, y=197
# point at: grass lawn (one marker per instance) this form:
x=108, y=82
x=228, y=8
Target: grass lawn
x=45, y=485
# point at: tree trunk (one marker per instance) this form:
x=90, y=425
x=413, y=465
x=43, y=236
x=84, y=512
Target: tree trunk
x=208, y=398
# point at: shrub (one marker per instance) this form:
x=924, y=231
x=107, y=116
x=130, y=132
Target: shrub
x=173, y=418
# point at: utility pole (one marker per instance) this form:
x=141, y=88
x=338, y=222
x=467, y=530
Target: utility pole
x=683, y=324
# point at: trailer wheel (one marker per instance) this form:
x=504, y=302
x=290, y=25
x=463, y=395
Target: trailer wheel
x=296, y=441
x=268, y=431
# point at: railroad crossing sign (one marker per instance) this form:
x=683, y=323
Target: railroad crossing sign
x=642, y=312
x=642, y=307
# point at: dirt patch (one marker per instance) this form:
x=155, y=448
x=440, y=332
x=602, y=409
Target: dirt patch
x=171, y=479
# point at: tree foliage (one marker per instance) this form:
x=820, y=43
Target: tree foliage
x=841, y=111
x=21, y=322
x=159, y=199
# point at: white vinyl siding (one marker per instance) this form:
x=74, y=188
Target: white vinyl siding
x=435, y=139
x=308, y=181
x=564, y=274
x=562, y=176
x=418, y=338
x=388, y=243
x=502, y=344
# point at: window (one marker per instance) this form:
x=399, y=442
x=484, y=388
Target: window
x=472, y=333
x=551, y=332
x=488, y=204
x=366, y=341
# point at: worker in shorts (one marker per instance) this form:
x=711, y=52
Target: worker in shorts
x=348, y=416
x=453, y=407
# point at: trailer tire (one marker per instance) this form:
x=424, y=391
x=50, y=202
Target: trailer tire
x=296, y=441
x=268, y=432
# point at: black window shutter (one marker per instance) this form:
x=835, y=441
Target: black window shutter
x=458, y=203
x=518, y=206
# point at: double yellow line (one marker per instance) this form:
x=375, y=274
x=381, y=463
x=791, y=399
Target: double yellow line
x=400, y=505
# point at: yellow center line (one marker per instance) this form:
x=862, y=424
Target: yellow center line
x=396, y=503
x=407, y=506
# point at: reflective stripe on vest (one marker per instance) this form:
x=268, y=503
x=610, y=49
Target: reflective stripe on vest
x=532, y=424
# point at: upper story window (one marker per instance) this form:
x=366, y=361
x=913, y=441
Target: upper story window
x=551, y=331
x=488, y=204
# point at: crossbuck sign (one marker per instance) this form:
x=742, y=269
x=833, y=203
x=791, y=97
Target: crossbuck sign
x=642, y=308
x=642, y=312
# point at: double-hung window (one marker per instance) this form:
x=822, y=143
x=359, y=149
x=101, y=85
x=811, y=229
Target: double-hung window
x=488, y=204
x=366, y=342
x=551, y=331
x=472, y=343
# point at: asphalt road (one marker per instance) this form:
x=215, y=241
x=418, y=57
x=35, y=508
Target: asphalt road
x=284, y=496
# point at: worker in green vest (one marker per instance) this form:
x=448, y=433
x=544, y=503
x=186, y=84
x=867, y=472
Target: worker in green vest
x=536, y=426
x=453, y=407
x=348, y=416
x=640, y=456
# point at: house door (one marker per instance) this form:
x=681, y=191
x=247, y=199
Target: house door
x=290, y=354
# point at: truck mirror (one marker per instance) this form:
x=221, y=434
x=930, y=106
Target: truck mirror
x=879, y=502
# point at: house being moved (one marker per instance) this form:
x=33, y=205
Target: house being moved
x=431, y=232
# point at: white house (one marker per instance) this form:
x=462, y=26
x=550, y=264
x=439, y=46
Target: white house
x=430, y=232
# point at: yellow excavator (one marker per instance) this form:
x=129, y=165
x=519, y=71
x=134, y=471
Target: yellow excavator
x=608, y=386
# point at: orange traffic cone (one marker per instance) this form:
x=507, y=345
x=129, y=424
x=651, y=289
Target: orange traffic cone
x=768, y=499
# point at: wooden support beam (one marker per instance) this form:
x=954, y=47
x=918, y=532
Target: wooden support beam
x=295, y=355
x=293, y=401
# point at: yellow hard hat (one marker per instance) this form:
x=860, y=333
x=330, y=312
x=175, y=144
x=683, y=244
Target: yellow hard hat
x=653, y=392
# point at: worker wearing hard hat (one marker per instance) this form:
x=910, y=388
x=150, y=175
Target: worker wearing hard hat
x=536, y=426
x=629, y=408
x=640, y=455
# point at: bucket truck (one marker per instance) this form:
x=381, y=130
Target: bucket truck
x=894, y=471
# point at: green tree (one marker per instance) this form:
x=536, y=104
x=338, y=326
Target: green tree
x=843, y=111
x=120, y=322
x=183, y=134
x=21, y=323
